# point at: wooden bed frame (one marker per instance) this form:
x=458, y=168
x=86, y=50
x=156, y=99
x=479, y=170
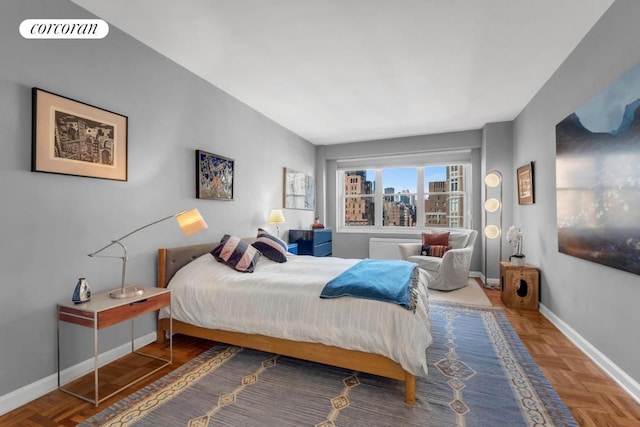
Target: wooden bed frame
x=170, y=260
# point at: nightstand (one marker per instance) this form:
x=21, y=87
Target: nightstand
x=312, y=242
x=519, y=285
x=101, y=312
x=292, y=248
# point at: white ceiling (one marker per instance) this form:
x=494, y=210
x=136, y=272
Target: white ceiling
x=335, y=71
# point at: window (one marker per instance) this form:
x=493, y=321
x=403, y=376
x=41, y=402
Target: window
x=359, y=198
x=403, y=198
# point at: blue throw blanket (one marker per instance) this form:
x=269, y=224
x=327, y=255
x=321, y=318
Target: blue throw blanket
x=389, y=281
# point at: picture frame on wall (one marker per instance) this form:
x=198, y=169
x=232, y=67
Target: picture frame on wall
x=525, y=184
x=70, y=137
x=299, y=190
x=214, y=176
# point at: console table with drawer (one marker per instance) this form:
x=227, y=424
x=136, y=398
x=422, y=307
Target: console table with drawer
x=102, y=311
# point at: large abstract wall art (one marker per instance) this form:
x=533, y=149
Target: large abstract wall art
x=598, y=177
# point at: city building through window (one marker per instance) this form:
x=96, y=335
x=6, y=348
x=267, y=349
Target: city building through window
x=404, y=197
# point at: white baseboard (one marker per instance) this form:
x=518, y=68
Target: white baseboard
x=32, y=391
x=490, y=283
x=630, y=385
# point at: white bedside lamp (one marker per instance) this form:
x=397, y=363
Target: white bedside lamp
x=190, y=222
x=276, y=217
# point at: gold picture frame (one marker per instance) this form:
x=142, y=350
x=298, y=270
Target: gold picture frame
x=73, y=138
x=525, y=184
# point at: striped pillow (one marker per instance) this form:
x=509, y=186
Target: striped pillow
x=434, y=250
x=236, y=253
x=270, y=246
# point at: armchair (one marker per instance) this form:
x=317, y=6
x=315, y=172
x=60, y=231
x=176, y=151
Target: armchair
x=452, y=270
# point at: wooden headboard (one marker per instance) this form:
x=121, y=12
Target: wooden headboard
x=170, y=260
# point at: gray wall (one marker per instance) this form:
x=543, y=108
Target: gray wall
x=598, y=302
x=50, y=222
x=356, y=245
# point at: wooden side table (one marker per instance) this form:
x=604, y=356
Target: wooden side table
x=520, y=285
x=101, y=312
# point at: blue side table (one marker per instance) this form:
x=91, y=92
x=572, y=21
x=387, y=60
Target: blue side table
x=292, y=248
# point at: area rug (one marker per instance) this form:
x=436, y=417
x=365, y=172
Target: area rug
x=471, y=294
x=480, y=375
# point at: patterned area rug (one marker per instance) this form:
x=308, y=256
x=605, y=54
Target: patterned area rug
x=480, y=374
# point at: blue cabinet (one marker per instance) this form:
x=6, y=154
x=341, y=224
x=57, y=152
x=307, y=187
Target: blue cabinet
x=312, y=242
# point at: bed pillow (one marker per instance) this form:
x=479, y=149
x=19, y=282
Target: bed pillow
x=441, y=239
x=434, y=250
x=236, y=253
x=270, y=246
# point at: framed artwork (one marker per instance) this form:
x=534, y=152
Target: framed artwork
x=299, y=190
x=598, y=177
x=525, y=184
x=214, y=176
x=73, y=138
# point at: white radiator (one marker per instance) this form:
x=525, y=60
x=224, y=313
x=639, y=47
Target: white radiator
x=386, y=248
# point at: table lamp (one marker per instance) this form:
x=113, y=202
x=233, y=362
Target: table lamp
x=276, y=217
x=190, y=222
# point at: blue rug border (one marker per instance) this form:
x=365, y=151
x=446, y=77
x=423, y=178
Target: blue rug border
x=552, y=401
x=559, y=412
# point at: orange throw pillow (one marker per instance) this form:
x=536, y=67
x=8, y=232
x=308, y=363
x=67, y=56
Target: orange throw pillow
x=437, y=239
x=438, y=251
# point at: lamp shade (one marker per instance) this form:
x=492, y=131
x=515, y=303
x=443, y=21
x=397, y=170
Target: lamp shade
x=276, y=217
x=492, y=231
x=492, y=205
x=191, y=222
x=493, y=179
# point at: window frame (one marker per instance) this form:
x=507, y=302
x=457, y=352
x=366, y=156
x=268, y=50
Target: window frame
x=378, y=197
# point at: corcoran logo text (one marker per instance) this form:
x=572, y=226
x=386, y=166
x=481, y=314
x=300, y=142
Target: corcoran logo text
x=64, y=29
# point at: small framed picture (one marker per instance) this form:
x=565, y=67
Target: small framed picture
x=214, y=176
x=525, y=184
x=73, y=138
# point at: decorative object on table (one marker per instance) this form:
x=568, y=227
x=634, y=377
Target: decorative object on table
x=299, y=190
x=82, y=292
x=525, y=184
x=73, y=138
x=317, y=225
x=598, y=179
x=492, y=216
x=214, y=176
x=190, y=222
x=514, y=237
x=276, y=217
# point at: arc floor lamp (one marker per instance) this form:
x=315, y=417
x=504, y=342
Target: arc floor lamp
x=190, y=222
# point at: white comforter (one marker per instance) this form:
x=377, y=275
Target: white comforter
x=282, y=300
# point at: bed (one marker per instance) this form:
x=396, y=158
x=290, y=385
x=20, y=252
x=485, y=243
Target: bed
x=231, y=319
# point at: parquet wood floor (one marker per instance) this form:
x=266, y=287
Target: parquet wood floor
x=593, y=398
